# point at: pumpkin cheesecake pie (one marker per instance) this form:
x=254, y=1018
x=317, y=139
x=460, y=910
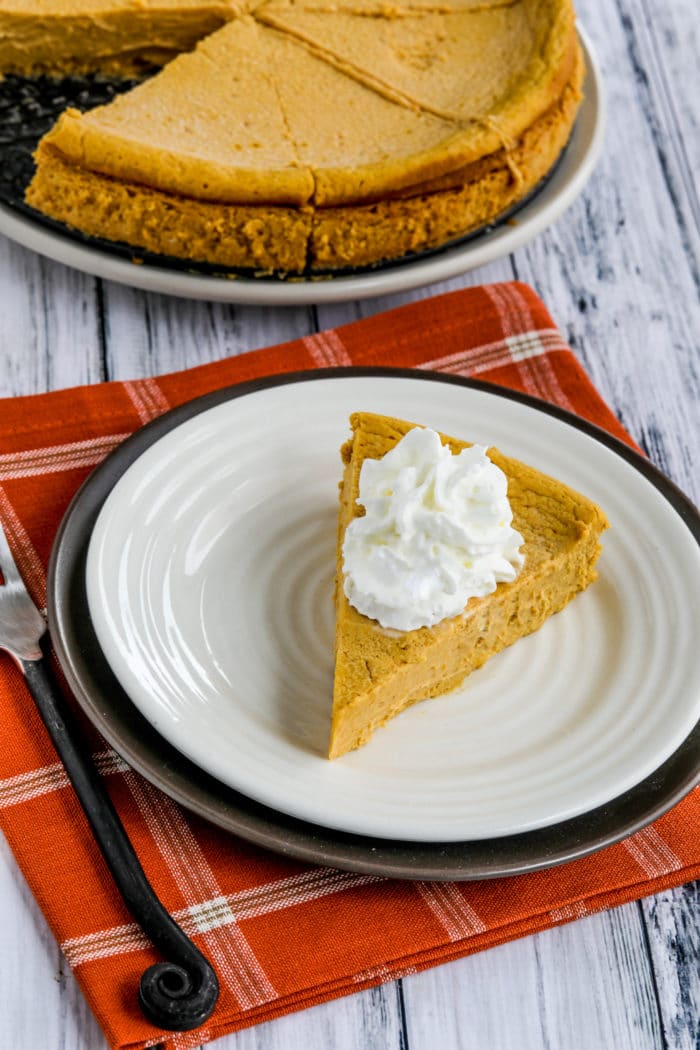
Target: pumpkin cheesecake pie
x=119, y=37
x=316, y=135
x=380, y=671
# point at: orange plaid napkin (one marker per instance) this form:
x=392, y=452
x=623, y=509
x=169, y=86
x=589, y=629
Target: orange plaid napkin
x=282, y=935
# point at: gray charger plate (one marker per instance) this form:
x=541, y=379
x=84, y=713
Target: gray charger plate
x=112, y=712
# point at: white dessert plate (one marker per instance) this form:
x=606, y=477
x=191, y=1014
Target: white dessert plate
x=209, y=582
x=545, y=207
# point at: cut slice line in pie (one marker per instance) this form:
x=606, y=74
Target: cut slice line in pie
x=299, y=137
x=379, y=672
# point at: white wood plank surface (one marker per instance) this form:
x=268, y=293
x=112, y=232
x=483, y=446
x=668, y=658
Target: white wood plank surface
x=672, y=921
x=49, y=324
x=620, y=273
x=150, y=334
x=585, y=986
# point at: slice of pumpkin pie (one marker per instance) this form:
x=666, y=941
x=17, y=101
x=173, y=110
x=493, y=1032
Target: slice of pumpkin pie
x=447, y=553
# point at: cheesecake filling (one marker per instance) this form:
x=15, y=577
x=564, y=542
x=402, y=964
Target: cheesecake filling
x=437, y=531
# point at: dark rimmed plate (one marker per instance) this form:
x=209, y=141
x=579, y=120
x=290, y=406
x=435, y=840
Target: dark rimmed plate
x=132, y=735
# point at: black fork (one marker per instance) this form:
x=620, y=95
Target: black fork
x=181, y=993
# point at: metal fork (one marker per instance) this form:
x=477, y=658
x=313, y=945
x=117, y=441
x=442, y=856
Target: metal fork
x=179, y=994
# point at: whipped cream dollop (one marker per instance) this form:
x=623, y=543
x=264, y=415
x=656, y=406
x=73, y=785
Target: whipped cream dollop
x=436, y=532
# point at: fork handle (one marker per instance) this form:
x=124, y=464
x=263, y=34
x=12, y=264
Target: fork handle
x=179, y=994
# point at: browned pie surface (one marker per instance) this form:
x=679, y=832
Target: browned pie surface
x=488, y=72
x=111, y=36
